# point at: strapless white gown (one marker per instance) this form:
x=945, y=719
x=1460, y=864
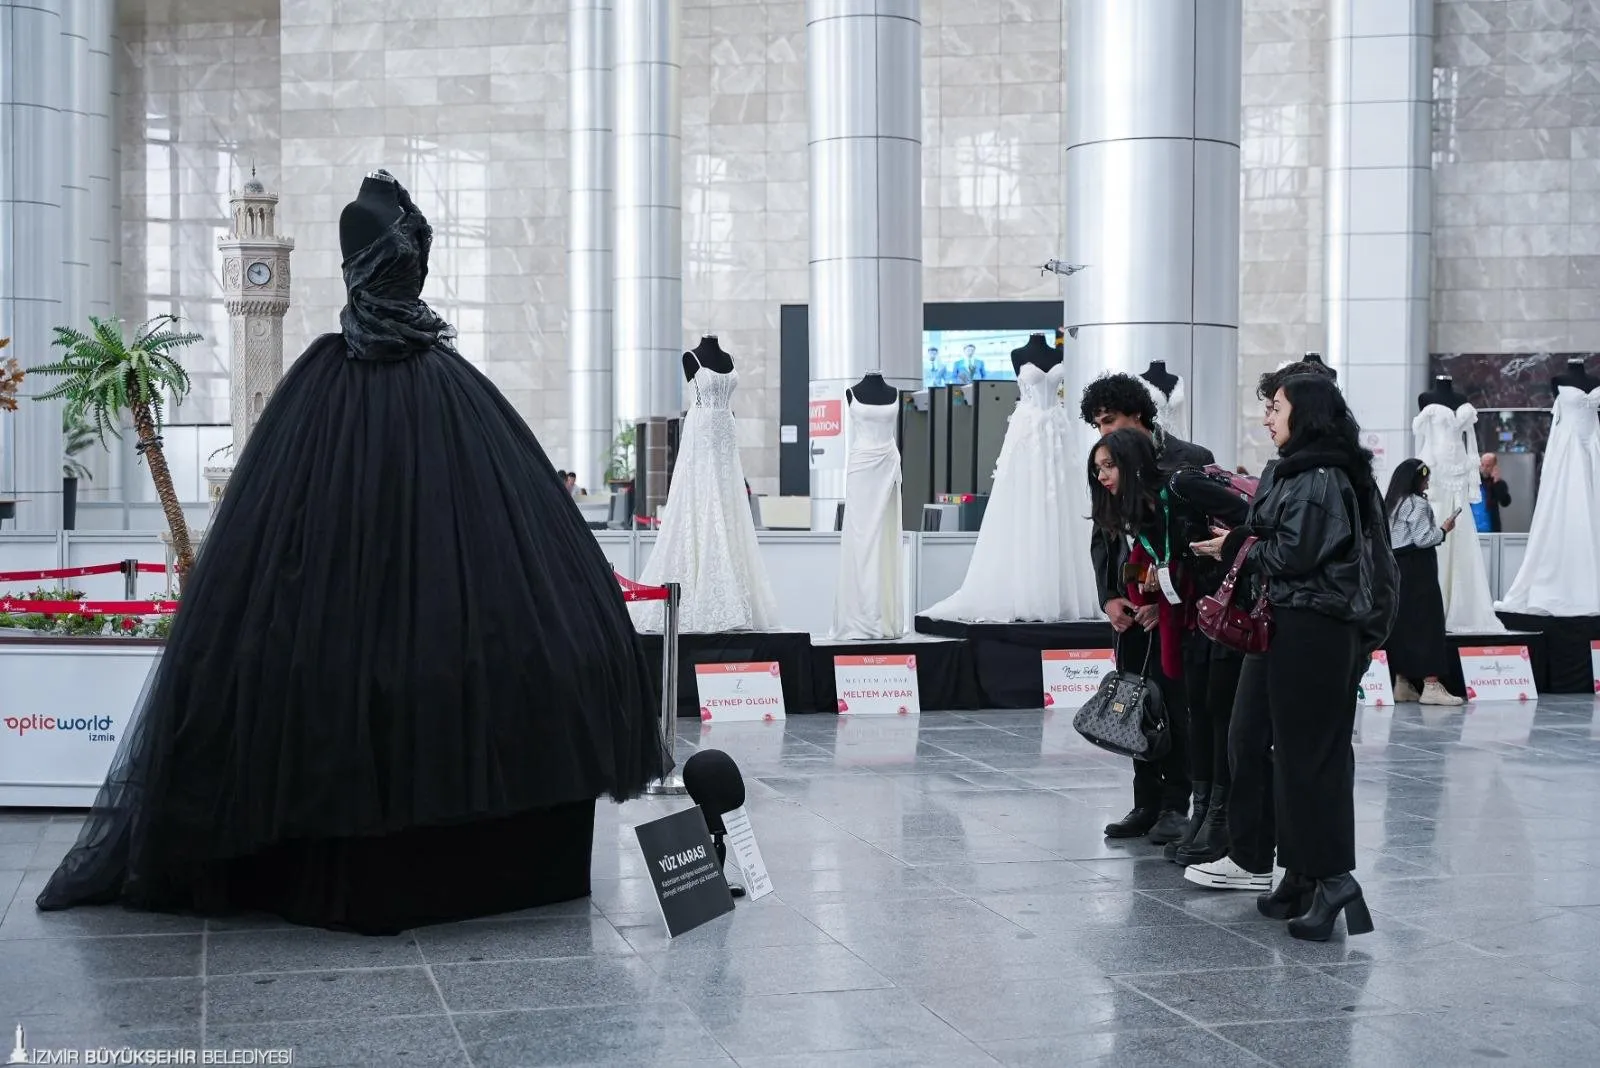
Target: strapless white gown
x=869, y=596
x=707, y=540
x=1560, y=575
x=1441, y=437
x=1031, y=560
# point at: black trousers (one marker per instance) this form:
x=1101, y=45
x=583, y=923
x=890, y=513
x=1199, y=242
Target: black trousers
x=1161, y=784
x=1311, y=696
x=1210, y=680
x=1252, y=828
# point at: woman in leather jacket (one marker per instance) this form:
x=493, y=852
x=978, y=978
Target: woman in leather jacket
x=1148, y=519
x=1323, y=555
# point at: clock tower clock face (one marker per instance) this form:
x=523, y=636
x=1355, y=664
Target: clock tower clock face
x=259, y=273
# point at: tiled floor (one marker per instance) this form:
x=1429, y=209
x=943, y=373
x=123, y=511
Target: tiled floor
x=944, y=898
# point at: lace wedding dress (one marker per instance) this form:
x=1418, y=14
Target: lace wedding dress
x=1560, y=575
x=868, y=599
x=707, y=541
x=1441, y=437
x=1031, y=561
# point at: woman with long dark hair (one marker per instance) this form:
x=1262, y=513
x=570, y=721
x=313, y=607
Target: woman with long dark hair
x=1154, y=517
x=1321, y=544
x=1417, y=646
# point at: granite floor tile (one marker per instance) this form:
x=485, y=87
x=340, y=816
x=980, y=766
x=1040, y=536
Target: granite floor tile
x=547, y=984
x=300, y=950
x=653, y=1033
x=277, y=997
x=411, y=1041
x=714, y=971
x=460, y=943
x=1190, y=1047
x=1259, y=995
x=824, y=1023
x=1036, y=1008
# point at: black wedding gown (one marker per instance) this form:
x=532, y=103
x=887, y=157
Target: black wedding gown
x=402, y=672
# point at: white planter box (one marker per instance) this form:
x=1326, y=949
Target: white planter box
x=64, y=707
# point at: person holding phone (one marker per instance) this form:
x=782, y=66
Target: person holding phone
x=1417, y=646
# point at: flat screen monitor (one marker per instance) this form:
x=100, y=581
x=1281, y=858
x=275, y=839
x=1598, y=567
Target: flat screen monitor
x=957, y=357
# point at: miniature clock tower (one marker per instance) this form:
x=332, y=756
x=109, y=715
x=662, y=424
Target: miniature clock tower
x=255, y=289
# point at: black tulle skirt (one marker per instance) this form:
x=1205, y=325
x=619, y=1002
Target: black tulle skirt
x=401, y=674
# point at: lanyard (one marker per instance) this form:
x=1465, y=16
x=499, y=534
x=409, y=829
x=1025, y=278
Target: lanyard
x=1166, y=521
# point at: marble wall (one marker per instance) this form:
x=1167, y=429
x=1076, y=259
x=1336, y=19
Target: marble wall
x=467, y=105
x=1516, y=240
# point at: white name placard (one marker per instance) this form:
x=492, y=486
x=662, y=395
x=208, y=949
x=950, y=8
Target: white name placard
x=1071, y=676
x=1377, y=689
x=877, y=685
x=1498, y=673
x=746, y=854
x=739, y=692
x=1594, y=661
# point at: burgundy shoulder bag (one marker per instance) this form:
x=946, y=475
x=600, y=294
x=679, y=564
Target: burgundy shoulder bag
x=1248, y=630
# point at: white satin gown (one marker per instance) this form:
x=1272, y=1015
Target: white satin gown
x=1031, y=560
x=1560, y=575
x=869, y=595
x=707, y=539
x=1441, y=437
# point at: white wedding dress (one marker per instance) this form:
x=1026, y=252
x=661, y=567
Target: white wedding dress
x=1560, y=574
x=868, y=600
x=1441, y=437
x=1031, y=560
x=707, y=540
x=1172, y=409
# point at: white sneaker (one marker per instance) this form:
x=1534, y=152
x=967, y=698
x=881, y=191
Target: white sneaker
x=1405, y=693
x=1434, y=693
x=1224, y=874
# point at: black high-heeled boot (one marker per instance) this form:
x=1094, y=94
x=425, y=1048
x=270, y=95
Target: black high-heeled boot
x=1197, y=816
x=1339, y=893
x=1290, y=898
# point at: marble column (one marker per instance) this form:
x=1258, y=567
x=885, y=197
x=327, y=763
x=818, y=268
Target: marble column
x=1378, y=188
x=76, y=142
x=1152, y=199
x=864, y=96
x=33, y=150
x=647, y=318
x=104, y=228
x=589, y=267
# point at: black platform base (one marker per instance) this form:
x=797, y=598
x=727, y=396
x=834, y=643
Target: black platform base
x=946, y=678
x=1567, y=641
x=1006, y=656
x=791, y=649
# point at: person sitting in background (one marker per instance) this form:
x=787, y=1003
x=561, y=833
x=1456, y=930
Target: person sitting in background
x=1417, y=646
x=570, y=480
x=1496, y=495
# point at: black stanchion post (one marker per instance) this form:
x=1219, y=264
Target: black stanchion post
x=669, y=784
x=130, y=580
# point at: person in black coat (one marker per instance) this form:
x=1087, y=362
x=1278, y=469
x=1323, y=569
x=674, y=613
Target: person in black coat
x=1323, y=551
x=1111, y=403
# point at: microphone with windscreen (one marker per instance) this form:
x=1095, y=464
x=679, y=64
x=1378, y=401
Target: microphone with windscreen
x=713, y=782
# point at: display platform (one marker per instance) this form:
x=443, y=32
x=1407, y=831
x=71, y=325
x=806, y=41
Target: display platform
x=1006, y=656
x=946, y=678
x=1538, y=656
x=791, y=649
x=1566, y=643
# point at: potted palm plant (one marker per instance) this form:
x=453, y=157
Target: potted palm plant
x=76, y=435
x=104, y=374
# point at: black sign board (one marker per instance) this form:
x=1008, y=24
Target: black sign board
x=690, y=886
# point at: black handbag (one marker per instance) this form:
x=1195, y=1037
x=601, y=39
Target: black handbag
x=1127, y=715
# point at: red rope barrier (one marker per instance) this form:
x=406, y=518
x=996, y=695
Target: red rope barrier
x=635, y=591
x=87, y=608
x=77, y=572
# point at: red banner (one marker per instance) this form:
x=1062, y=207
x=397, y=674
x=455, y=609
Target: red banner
x=87, y=608
x=635, y=591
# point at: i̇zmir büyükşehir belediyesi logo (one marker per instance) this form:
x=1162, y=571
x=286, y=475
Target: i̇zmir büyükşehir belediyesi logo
x=98, y=728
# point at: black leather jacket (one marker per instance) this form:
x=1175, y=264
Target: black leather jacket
x=1318, y=549
x=1108, y=551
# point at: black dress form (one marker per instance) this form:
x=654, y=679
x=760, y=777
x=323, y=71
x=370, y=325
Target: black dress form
x=1161, y=378
x=1036, y=351
x=872, y=389
x=1316, y=358
x=1443, y=392
x=707, y=354
x=1577, y=376
x=375, y=209
x=403, y=670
